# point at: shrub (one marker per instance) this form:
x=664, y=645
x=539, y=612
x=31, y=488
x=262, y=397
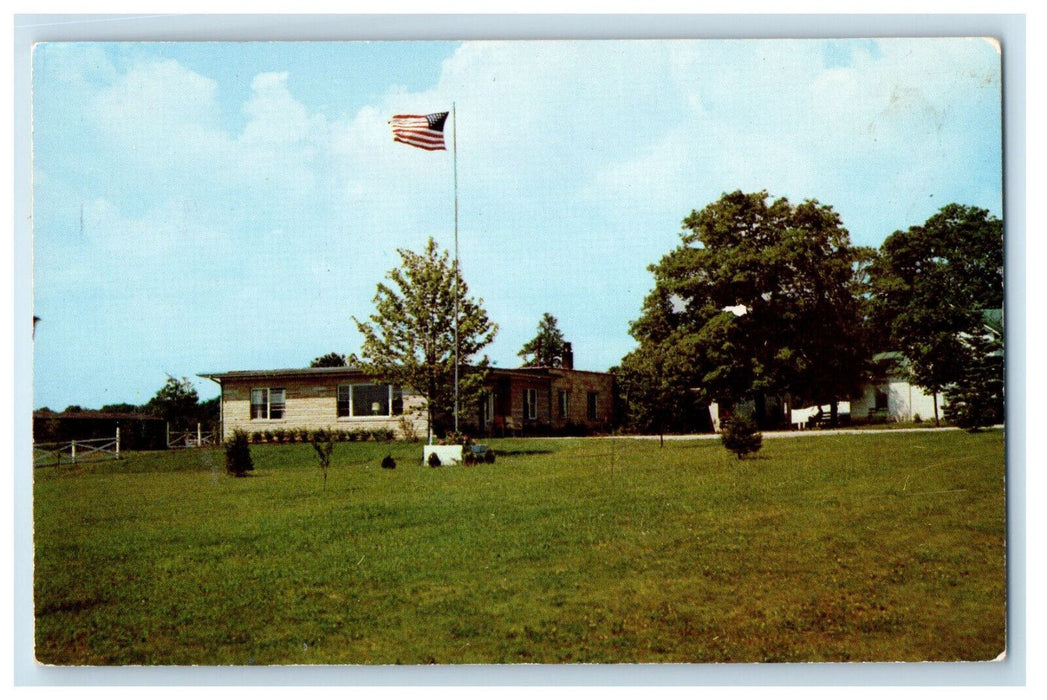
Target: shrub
x=268, y=435
x=468, y=458
x=382, y=434
x=408, y=430
x=341, y=435
x=238, y=454
x=434, y=459
x=256, y=437
x=489, y=456
x=916, y=418
x=388, y=462
x=740, y=437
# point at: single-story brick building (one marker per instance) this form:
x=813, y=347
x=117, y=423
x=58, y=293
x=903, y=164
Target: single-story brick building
x=538, y=400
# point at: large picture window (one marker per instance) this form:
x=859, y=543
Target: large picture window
x=267, y=404
x=362, y=400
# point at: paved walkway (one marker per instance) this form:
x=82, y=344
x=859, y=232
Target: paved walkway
x=767, y=434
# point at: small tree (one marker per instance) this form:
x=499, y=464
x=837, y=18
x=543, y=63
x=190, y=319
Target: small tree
x=545, y=349
x=238, y=454
x=410, y=339
x=323, y=443
x=976, y=399
x=740, y=437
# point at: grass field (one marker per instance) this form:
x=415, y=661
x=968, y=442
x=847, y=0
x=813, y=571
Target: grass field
x=873, y=547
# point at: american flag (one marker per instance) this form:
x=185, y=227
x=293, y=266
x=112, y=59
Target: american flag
x=421, y=131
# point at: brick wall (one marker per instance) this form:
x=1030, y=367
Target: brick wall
x=578, y=386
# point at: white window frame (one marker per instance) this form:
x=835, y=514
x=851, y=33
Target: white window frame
x=390, y=388
x=531, y=404
x=268, y=403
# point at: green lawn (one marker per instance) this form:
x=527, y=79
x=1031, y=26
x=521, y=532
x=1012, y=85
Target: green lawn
x=874, y=547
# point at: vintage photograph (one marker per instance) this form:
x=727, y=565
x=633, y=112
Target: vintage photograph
x=518, y=352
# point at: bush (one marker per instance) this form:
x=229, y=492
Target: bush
x=916, y=418
x=489, y=457
x=408, y=431
x=740, y=437
x=434, y=459
x=388, y=462
x=238, y=454
x=468, y=458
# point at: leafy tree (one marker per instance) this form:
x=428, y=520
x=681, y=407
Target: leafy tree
x=176, y=402
x=932, y=284
x=655, y=389
x=331, y=359
x=74, y=408
x=545, y=349
x=760, y=297
x=411, y=336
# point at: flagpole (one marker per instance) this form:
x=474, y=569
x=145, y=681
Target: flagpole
x=454, y=125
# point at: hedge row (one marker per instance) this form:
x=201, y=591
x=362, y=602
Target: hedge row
x=304, y=435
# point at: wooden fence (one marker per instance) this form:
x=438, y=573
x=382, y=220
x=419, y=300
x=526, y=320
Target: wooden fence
x=190, y=438
x=48, y=453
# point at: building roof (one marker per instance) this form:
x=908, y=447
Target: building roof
x=299, y=372
x=346, y=372
x=94, y=415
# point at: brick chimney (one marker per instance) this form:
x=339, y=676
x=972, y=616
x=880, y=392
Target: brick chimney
x=567, y=361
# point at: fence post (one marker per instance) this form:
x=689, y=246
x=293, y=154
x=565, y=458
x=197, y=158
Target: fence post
x=73, y=450
x=167, y=436
x=118, y=442
x=198, y=443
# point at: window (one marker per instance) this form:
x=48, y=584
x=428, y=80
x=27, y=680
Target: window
x=591, y=405
x=487, y=408
x=359, y=400
x=530, y=404
x=562, y=401
x=267, y=404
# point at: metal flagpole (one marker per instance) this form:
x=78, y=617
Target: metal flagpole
x=454, y=125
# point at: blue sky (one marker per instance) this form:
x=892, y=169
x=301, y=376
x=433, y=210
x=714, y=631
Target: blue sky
x=223, y=206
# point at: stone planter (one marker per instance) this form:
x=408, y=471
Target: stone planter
x=448, y=454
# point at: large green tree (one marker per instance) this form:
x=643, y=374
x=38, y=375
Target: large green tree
x=176, y=402
x=547, y=347
x=410, y=338
x=932, y=285
x=760, y=297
